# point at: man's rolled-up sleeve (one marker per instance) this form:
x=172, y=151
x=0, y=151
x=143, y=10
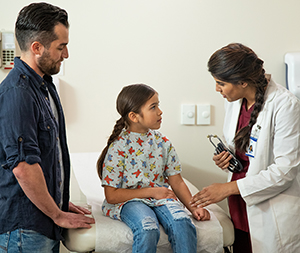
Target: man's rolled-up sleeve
x=18, y=129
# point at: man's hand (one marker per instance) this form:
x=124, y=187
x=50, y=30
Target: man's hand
x=73, y=220
x=78, y=209
x=32, y=181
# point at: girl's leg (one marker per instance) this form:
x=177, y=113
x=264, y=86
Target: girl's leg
x=178, y=226
x=144, y=225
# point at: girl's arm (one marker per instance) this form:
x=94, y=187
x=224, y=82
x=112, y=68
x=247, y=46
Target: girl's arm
x=183, y=193
x=118, y=195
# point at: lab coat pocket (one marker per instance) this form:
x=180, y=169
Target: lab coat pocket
x=286, y=210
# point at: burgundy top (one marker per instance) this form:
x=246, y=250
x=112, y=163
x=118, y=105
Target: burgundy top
x=237, y=206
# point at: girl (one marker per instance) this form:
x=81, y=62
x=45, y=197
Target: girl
x=137, y=166
x=262, y=125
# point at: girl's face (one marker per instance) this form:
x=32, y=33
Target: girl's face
x=149, y=117
x=230, y=91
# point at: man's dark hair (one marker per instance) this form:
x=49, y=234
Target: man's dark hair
x=36, y=22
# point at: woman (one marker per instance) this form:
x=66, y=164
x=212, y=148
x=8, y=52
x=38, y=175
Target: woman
x=262, y=128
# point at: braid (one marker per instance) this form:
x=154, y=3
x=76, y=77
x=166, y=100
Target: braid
x=130, y=99
x=120, y=124
x=236, y=64
x=242, y=137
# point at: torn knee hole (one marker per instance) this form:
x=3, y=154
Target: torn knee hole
x=149, y=223
x=178, y=213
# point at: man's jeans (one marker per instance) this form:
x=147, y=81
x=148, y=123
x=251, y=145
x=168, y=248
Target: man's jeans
x=27, y=241
x=144, y=223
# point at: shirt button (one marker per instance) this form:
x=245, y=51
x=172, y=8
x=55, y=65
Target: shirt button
x=20, y=139
x=48, y=127
x=43, y=83
x=46, y=98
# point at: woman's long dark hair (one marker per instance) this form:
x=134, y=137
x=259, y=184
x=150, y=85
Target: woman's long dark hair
x=237, y=64
x=130, y=99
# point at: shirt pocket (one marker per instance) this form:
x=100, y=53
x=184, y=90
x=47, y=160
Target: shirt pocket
x=47, y=135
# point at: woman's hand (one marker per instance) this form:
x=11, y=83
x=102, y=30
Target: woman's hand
x=214, y=194
x=163, y=193
x=222, y=159
x=201, y=214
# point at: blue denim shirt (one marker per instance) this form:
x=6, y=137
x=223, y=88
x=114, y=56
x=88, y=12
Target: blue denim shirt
x=29, y=132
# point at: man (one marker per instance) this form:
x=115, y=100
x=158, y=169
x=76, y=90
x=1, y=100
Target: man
x=34, y=157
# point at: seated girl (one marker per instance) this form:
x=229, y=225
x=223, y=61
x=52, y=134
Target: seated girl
x=136, y=167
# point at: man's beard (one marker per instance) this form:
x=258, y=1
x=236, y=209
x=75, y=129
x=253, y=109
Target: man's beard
x=47, y=65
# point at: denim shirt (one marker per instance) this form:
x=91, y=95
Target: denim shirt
x=29, y=132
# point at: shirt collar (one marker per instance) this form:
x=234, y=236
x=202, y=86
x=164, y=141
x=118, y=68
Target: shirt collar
x=39, y=81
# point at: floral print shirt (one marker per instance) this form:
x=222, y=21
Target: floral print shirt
x=136, y=161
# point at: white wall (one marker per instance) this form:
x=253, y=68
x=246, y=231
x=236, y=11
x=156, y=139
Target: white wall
x=165, y=44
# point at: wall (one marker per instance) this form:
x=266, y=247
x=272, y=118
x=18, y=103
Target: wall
x=166, y=44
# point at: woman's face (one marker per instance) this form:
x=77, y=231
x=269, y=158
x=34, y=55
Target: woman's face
x=231, y=92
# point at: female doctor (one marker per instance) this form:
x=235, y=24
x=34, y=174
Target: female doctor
x=262, y=128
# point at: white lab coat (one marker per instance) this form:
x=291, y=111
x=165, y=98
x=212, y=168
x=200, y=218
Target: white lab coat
x=271, y=188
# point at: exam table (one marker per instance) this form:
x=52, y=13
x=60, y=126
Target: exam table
x=108, y=235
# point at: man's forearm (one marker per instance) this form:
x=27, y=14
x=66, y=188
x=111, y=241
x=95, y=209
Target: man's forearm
x=32, y=181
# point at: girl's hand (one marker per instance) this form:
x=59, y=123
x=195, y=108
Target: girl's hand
x=163, y=193
x=201, y=214
x=222, y=159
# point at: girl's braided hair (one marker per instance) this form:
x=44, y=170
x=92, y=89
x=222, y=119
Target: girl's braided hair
x=130, y=99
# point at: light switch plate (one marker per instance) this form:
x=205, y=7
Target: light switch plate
x=203, y=114
x=188, y=114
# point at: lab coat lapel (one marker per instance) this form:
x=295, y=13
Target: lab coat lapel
x=233, y=123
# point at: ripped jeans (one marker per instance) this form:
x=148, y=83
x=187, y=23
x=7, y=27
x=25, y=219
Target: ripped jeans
x=144, y=223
